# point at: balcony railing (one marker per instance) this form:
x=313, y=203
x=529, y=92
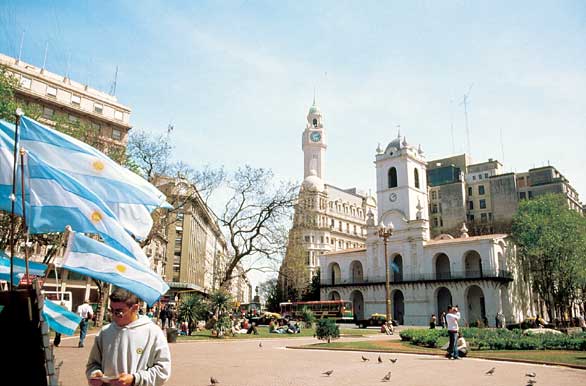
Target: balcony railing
x=499, y=275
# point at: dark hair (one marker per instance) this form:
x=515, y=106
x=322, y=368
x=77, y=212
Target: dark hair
x=120, y=295
x=449, y=307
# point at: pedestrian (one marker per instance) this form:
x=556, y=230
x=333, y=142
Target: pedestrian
x=452, y=318
x=432, y=321
x=442, y=320
x=87, y=313
x=57, y=339
x=164, y=316
x=462, y=346
x=130, y=351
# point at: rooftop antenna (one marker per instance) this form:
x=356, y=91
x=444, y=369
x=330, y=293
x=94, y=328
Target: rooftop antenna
x=465, y=103
x=502, y=148
x=20, y=48
x=68, y=66
x=452, y=125
x=45, y=57
x=113, y=87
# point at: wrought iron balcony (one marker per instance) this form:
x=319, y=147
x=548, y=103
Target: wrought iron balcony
x=495, y=275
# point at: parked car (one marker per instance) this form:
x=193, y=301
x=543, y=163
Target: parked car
x=374, y=320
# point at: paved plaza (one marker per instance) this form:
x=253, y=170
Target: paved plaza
x=243, y=362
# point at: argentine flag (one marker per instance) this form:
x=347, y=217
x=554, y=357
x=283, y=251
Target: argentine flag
x=94, y=259
x=128, y=195
x=55, y=200
x=59, y=318
x=19, y=268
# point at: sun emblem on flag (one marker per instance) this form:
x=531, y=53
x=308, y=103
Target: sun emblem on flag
x=139, y=350
x=121, y=268
x=98, y=165
x=96, y=216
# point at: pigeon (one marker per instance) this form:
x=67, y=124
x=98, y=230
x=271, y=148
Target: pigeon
x=531, y=382
x=214, y=381
x=387, y=377
x=380, y=360
x=393, y=360
x=259, y=344
x=364, y=359
x=328, y=373
x=531, y=375
x=491, y=371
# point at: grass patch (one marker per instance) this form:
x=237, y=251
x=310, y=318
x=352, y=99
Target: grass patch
x=263, y=332
x=562, y=357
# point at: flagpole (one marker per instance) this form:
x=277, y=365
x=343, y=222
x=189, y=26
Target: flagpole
x=26, y=246
x=19, y=113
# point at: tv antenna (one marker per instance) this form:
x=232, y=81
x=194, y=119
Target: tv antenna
x=465, y=103
x=113, y=86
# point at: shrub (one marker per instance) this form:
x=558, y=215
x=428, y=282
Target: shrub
x=327, y=329
x=308, y=317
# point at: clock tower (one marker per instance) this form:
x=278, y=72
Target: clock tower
x=313, y=144
x=401, y=181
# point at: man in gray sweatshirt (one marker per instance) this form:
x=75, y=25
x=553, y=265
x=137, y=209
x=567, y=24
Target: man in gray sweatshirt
x=131, y=351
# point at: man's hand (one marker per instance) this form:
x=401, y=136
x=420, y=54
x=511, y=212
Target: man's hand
x=123, y=380
x=94, y=378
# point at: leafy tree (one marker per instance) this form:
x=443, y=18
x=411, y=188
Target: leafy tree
x=551, y=241
x=271, y=292
x=191, y=309
x=312, y=291
x=327, y=329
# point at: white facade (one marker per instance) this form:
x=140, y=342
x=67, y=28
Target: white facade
x=477, y=273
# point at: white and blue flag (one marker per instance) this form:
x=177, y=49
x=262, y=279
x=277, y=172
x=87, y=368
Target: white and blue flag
x=94, y=259
x=19, y=268
x=59, y=318
x=128, y=195
x=54, y=200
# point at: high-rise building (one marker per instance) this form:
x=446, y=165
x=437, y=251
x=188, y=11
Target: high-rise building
x=61, y=98
x=485, y=197
x=327, y=218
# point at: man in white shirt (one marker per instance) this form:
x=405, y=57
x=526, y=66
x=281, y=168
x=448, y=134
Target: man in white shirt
x=452, y=318
x=87, y=313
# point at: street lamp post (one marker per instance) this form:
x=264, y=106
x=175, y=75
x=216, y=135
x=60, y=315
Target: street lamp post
x=385, y=233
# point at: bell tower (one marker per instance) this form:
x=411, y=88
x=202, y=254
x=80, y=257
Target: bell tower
x=313, y=144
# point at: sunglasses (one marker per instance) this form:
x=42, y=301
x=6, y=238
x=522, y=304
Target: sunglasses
x=119, y=312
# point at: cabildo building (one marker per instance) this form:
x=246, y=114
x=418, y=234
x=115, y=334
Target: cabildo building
x=480, y=274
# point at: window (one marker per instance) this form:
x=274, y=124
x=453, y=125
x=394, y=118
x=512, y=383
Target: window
x=321, y=239
x=480, y=176
x=416, y=172
x=522, y=195
x=435, y=223
x=441, y=222
x=471, y=217
x=116, y=134
x=473, y=178
x=530, y=194
x=75, y=100
x=433, y=195
x=434, y=208
x=481, y=189
x=483, y=217
x=470, y=190
x=51, y=91
x=392, y=177
x=25, y=82
x=48, y=112
x=485, y=175
x=489, y=216
x=482, y=204
x=96, y=126
x=470, y=205
x=314, y=122
x=98, y=108
x=118, y=115
x=332, y=223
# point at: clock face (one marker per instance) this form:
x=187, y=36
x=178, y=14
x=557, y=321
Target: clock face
x=315, y=136
x=393, y=197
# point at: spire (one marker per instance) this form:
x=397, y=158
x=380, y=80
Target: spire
x=314, y=96
x=398, y=131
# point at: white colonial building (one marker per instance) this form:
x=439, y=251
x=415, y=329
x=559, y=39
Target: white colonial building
x=479, y=274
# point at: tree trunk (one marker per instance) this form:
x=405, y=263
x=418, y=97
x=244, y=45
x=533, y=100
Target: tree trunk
x=329, y=339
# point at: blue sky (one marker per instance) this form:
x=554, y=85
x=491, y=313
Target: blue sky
x=236, y=78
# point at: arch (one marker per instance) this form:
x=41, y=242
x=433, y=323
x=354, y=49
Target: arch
x=398, y=306
x=475, y=305
x=334, y=295
x=442, y=267
x=443, y=299
x=473, y=264
x=356, y=272
x=335, y=273
x=392, y=174
x=314, y=122
x=357, y=304
x=416, y=174
x=397, y=268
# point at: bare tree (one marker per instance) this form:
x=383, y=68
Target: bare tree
x=254, y=217
x=151, y=155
